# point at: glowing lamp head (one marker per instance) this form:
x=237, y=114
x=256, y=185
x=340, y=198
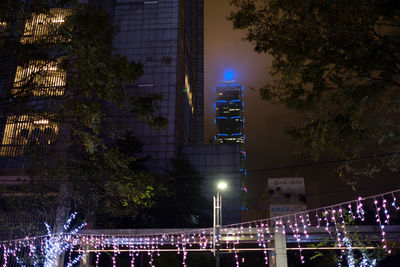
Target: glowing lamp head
x=228, y=75
x=222, y=185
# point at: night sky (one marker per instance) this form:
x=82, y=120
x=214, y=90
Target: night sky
x=266, y=145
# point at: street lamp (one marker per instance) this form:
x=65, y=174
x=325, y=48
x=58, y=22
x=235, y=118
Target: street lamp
x=217, y=220
x=222, y=185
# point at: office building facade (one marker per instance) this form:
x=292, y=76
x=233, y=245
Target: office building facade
x=167, y=37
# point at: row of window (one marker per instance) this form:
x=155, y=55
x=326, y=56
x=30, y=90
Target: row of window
x=24, y=134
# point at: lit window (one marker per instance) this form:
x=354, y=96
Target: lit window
x=188, y=92
x=24, y=134
x=39, y=78
x=40, y=26
x=3, y=27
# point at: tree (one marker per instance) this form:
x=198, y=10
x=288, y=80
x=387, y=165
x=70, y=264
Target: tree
x=181, y=203
x=336, y=62
x=89, y=164
x=190, y=207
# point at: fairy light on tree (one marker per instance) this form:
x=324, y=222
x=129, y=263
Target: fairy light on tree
x=350, y=256
x=57, y=244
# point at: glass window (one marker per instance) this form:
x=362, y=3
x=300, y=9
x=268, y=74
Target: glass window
x=28, y=133
x=3, y=27
x=39, y=78
x=40, y=26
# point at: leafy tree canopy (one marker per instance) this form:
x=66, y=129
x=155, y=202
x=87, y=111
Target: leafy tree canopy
x=338, y=63
x=91, y=160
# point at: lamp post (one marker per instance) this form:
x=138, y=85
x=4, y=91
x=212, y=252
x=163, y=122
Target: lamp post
x=217, y=221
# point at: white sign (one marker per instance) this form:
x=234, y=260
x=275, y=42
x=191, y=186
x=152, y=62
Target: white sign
x=286, y=195
x=276, y=210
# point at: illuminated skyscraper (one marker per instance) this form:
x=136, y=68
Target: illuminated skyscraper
x=229, y=122
x=229, y=113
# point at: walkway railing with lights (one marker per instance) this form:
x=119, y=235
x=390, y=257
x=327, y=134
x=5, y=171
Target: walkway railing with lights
x=336, y=222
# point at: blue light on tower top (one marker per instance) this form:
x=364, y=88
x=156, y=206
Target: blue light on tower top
x=228, y=75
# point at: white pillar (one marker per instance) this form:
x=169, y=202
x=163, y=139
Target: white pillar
x=280, y=249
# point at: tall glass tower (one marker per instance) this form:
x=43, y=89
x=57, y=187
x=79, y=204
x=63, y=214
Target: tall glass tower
x=229, y=113
x=229, y=121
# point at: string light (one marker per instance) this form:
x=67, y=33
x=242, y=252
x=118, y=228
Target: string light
x=298, y=239
x=333, y=218
x=325, y=214
x=351, y=211
x=308, y=220
x=49, y=247
x=387, y=219
x=318, y=219
x=263, y=244
x=394, y=202
x=350, y=257
x=366, y=262
x=381, y=225
x=304, y=226
x=236, y=255
x=360, y=210
x=343, y=222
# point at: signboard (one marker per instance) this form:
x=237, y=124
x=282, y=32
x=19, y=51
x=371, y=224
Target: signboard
x=286, y=196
